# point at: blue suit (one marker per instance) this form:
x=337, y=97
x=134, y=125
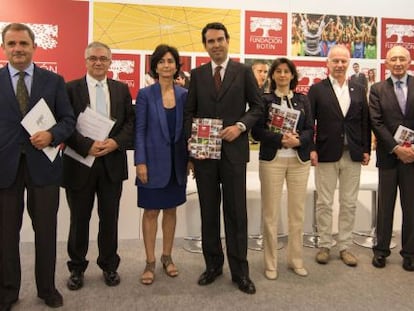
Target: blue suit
x=152, y=139
x=23, y=167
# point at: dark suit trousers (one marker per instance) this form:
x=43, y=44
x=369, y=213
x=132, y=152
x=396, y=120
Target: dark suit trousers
x=210, y=174
x=81, y=203
x=42, y=206
x=402, y=176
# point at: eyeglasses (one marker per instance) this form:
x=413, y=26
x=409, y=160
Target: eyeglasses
x=102, y=59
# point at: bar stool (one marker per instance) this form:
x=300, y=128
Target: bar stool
x=369, y=182
x=192, y=242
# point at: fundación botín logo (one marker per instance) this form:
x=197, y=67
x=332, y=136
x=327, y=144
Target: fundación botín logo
x=265, y=33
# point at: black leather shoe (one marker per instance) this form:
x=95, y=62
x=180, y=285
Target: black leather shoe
x=111, y=278
x=408, y=264
x=75, y=280
x=209, y=276
x=378, y=261
x=245, y=285
x=7, y=306
x=54, y=300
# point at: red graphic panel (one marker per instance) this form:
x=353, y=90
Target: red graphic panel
x=310, y=72
x=125, y=68
x=61, y=37
x=397, y=32
x=265, y=33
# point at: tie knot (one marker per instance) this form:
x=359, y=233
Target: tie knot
x=99, y=84
x=399, y=83
x=22, y=74
x=218, y=68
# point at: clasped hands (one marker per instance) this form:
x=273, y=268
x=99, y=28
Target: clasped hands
x=290, y=140
x=101, y=148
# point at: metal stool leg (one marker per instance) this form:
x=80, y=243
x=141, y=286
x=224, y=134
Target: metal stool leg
x=368, y=238
x=311, y=239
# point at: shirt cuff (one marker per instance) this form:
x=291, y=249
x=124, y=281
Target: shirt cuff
x=241, y=126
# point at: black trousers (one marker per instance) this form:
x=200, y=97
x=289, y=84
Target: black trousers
x=214, y=178
x=42, y=206
x=81, y=202
x=402, y=176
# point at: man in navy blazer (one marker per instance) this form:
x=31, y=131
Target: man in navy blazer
x=104, y=179
x=228, y=175
x=24, y=166
x=395, y=163
x=342, y=144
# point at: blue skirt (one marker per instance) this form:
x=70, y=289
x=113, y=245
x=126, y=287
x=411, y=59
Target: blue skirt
x=170, y=196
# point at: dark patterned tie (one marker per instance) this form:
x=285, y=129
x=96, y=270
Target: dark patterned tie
x=400, y=95
x=22, y=94
x=217, y=78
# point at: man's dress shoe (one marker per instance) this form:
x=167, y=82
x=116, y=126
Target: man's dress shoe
x=111, y=278
x=75, y=280
x=378, y=261
x=245, y=285
x=408, y=264
x=53, y=300
x=209, y=276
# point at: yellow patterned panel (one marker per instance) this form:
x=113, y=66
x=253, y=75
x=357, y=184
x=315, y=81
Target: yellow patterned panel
x=143, y=27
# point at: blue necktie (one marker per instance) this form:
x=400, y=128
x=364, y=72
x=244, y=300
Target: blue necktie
x=100, y=100
x=400, y=95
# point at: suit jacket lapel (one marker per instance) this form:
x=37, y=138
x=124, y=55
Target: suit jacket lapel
x=84, y=94
x=410, y=95
x=7, y=90
x=179, y=113
x=157, y=95
x=113, y=107
x=390, y=90
x=331, y=94
x=229, y=75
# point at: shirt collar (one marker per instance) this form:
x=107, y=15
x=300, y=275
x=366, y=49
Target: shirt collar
x=335, y=82
x=29, y=70
x=403, y=79
x=92, y=81
x=223, y=65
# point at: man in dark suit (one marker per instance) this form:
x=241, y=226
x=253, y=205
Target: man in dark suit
x=342, y=144
x=24, y=165
x=359, y=77
x=389, y=110
x=108, y=171
x=224, y=97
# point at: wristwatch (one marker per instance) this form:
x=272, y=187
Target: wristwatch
x=241, y=126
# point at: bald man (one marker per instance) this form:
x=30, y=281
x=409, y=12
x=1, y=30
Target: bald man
x=389, y=110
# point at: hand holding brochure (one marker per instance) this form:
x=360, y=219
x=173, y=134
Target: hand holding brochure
x=283, y=119
x=93, y=125
x=404, y=136
x=40, y=118
x=205, y=141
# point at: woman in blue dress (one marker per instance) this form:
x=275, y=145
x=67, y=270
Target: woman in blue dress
x=160, y=157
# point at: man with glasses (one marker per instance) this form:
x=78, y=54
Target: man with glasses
x=104, y=178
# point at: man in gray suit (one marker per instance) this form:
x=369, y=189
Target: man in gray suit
x=389, y=110
x=224, y=97
x=104, y=179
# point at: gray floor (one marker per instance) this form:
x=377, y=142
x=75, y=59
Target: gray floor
x=330, y=287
